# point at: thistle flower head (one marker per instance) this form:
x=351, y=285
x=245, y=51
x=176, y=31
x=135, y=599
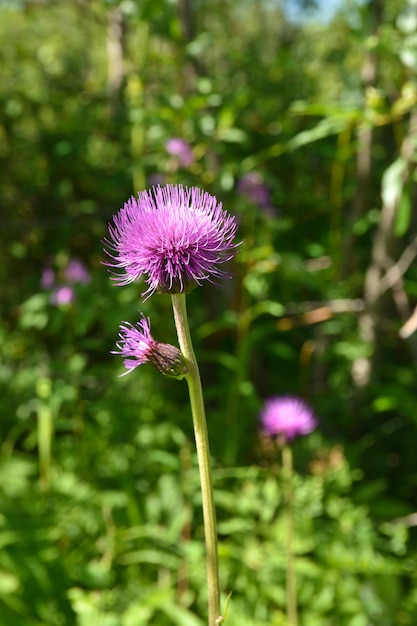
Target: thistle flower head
x=48, y=277
x=252, y=187
x=76, y=272
x=181, y=149
x=175, y=236
x=287, y=416
x=63, y=294
x=137, y=346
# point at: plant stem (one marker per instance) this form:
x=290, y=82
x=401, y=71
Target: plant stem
x=203, y=456
x=291, y=578
x=45, y=431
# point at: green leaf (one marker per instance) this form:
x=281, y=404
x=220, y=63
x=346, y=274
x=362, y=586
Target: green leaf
x=403, y=217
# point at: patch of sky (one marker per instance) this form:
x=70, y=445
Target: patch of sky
x=312, y=10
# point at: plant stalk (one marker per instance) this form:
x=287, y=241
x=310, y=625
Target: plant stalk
x=287, y=464
x=203, y=456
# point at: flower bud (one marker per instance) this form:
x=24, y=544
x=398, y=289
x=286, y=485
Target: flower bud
x=137, y=346
x=168, y=360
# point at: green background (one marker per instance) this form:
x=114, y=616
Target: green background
x=100, y=520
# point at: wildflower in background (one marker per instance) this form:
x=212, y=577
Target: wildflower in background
x=137, y=347
x=62, y=295
x=175, y=236
x=287, y=416
x=251, y=187
x=62, y=290
x=181, y=149
x=76, y=272
x=48, y=278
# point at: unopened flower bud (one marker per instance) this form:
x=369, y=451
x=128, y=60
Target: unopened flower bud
x=168, y=359
x=137, y=346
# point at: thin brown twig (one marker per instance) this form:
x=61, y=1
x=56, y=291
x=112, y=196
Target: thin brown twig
x=397, y=271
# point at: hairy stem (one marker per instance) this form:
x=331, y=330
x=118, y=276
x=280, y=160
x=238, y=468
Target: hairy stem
x=203, y=455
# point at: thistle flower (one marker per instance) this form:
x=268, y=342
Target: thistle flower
x=137, y=346
x=62, y=287
x=287, y=416
x=76, y=272
x=64, y=294
x=251, y=187
x=175, y=236
x=181, y=149
x=48, y=278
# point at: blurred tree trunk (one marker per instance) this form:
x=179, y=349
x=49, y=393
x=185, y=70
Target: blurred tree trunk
x=383, y=277
x=360, y=203
x=384, y=250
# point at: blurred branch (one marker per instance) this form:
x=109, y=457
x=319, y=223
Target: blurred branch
x=306, y=313
x=360, y=202
x=393, y=280
x=406, y=520
x=383, y=246
x=339, y=305
x=410, y=325
x=396, y=272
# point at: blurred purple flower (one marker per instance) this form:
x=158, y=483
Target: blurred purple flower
x=76, y=272
x=287, y=416
x=176, y=236
x=62, y=295
x=181, y=149
x=137, y=347
x=48, y=278
x=251, y=187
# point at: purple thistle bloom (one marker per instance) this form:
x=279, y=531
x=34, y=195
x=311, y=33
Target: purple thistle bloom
x=135, y=343
x=176, y=236
x=48, y=278
x=181, y=149
x=76, y=272
x=287, y=416
x=137, y=346
x=62, y=295
x=252, y=187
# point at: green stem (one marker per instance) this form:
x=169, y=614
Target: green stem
x=203, y=455
x=291, y=576
x=45, y=431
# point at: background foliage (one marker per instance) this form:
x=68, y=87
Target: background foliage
x=100, y=516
